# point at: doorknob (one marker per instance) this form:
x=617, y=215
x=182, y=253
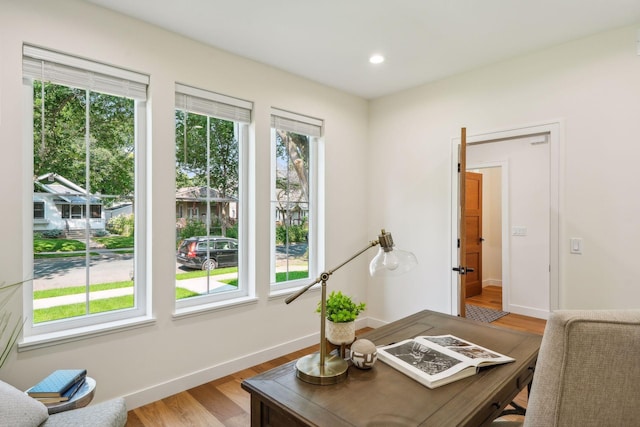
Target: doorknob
x=481, y=239
x=463, y=270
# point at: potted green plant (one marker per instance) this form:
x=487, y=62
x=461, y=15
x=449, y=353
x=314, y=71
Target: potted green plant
x=340, y=317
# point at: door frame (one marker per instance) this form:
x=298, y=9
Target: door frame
x=554, y=131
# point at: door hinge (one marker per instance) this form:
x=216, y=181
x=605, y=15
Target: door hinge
x=458, y=243
x=458, y=167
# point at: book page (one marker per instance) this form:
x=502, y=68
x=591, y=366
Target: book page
x=422, y=357
x=470, y=352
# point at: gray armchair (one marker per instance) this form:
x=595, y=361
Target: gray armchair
x=19, y=410
x=588, y=371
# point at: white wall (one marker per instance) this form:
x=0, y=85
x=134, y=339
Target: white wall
x=491, y=226
x=528, y=209
x=593, y=87
x=172, y=355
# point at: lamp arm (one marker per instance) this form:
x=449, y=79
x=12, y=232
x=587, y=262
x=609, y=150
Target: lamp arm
x=291, y=298
x=325, y=275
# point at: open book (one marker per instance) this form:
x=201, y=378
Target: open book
x=438, y=360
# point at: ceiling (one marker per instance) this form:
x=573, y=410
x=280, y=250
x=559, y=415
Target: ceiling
x=330, y=41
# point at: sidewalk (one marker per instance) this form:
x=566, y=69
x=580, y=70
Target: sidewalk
x=198, y=285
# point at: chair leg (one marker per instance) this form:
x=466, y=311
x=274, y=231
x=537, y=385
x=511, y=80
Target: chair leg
x=517, y=409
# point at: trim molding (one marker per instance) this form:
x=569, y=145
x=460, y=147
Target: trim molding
x=176, y=385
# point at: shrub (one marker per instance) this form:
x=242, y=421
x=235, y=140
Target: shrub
x=193, y=227
x=52, y=234
x=101, y=233
x=297, y=234
x=232, y=232
x=122, y=225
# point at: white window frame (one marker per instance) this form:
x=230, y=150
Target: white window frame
x=238, y=111
x=68, y=70
x=312, y=128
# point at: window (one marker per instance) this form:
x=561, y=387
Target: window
x=38, y=210
x=211, y=165
x=295, y=199
x=88, y=153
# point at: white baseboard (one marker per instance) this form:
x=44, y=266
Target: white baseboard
x=491, y=282
x=161, y=390
x=528, y=311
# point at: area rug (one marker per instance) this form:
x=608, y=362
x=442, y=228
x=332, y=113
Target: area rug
x=482, y=314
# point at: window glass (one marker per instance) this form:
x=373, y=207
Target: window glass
x=294, y=199
x=38, y=210
x=210, y=157
x=87, y=171
x=86, y=139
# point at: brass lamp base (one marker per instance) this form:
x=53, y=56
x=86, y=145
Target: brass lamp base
x=334, y=370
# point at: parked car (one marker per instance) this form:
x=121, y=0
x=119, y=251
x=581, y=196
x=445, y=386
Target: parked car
x=208, y=253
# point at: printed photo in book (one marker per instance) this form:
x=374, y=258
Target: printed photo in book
x=438, y=360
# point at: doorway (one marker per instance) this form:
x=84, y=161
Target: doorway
x=530, y=217
x=489, y=236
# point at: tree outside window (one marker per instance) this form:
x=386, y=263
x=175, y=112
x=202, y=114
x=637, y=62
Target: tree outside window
x=291, y=205
x=207, y=189
x=83, y=161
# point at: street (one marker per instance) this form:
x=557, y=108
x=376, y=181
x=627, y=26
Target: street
x=52, y=273
x=109, y=267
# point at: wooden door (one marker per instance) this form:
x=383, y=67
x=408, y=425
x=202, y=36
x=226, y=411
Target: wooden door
x=473, y=233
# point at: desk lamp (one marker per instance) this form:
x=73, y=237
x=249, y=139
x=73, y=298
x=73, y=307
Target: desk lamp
x=320, y=368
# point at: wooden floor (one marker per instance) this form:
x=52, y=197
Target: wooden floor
x=223, y=403
x=491, y=297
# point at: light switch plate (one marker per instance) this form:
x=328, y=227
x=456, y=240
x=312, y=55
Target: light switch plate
x=575, y=245
x=518, y=230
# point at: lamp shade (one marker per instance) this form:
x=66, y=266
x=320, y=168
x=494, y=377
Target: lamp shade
x=392, y=262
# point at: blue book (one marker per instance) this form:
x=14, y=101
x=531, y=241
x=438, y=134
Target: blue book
x=57, y=383
x=66, y=396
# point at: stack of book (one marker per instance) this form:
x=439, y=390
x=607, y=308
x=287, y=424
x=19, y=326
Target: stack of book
x=59, y=386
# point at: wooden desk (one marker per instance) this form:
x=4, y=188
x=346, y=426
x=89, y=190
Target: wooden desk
x=383, y=396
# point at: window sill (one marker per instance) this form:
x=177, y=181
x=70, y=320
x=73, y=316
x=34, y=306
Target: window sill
x=279, y=293
x=77, y=334
x=214, y=306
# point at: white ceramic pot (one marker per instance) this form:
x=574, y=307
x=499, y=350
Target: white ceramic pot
x=340, y=333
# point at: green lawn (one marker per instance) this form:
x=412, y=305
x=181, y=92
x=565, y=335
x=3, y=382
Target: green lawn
x=64, y=248
x=124, y=302
x=96, y=306
x=106, y=304
x=69, y=245
x=58, y=292
x=292, y=275
x=57, y=245
x=115, y=242
x=74, y=310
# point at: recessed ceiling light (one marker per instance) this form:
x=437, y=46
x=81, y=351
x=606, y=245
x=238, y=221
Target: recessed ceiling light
x=376, y=59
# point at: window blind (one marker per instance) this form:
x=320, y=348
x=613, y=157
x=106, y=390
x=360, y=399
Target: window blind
x=212, y=104
x=296, y=123
x=60, y=68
